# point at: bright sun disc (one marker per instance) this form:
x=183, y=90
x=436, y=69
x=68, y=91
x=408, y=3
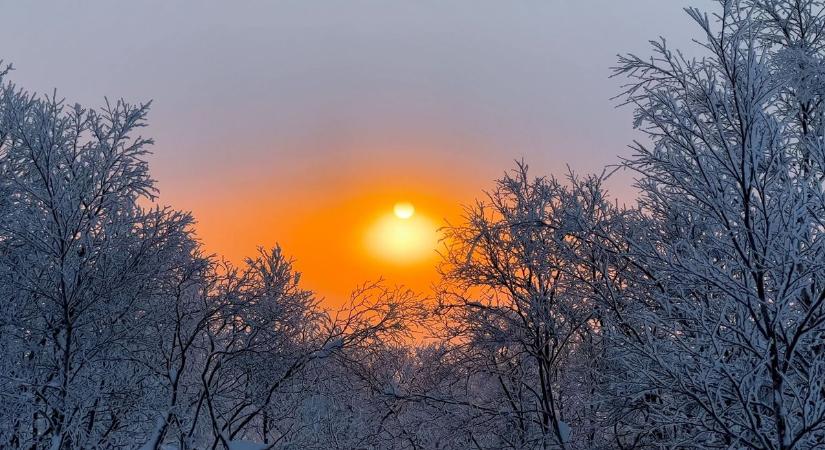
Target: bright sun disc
x=404, y=210
x=403, y=237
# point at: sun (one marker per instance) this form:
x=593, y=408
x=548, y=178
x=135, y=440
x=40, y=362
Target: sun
x=404, y=210
x=402, y=237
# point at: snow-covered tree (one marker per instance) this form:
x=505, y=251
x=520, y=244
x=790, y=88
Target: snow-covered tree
x=727, y=349
x=80, y=260
x=520, y=311
x=244, y=355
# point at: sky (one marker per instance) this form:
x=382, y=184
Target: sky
x=304, y=122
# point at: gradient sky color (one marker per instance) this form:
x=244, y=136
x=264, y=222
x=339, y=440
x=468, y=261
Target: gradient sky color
x=299, y=122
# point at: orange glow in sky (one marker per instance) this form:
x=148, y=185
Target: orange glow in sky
x=357, y=228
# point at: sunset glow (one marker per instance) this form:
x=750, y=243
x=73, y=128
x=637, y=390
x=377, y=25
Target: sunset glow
x=344, y=231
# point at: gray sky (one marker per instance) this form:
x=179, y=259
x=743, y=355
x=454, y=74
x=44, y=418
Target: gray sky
x=263, y=108
x=246, y=85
